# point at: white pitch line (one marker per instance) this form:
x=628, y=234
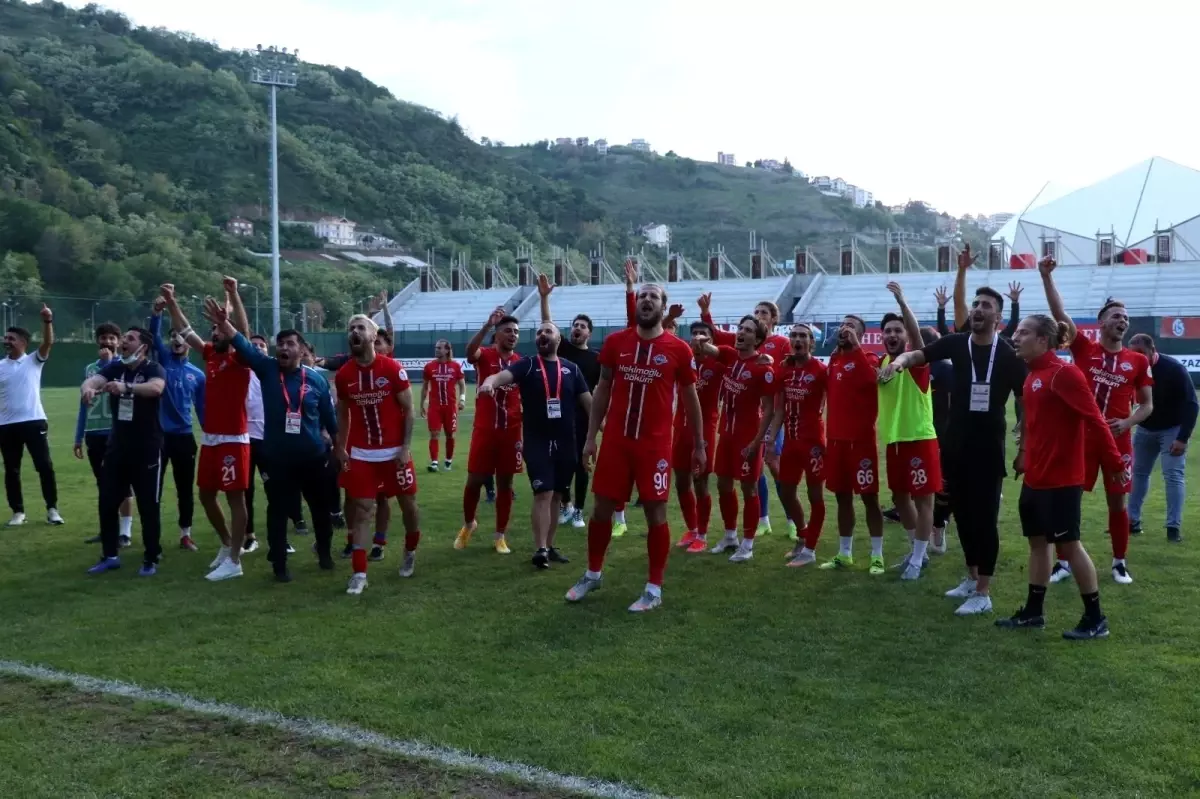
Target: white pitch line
x=322, y=730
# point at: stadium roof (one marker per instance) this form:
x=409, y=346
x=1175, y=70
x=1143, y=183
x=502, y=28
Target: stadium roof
x=1156, y=193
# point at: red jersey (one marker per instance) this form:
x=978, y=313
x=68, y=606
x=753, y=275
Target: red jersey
x=803, y=388
x=376, y=419
x=443, y=378
x=1116, y=378
x=852, y=396
x=778, y=347
x=227, y=382
x=743, y=386
x=708, y=387
x=1060, y=416
x=646, y=374
x=502, y=411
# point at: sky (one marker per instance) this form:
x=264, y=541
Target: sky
x=969, y=106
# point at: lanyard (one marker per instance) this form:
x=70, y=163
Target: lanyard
x=991, y=360
x=287, y=398
x=546, y=382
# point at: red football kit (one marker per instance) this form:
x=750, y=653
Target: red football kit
x=442, y=379
x=708, y=387
x=852, y=457
x=376, y=429
x=802, y=391
x=743, y=386
x=1115, y=379
x=225, y=444
x=1060, y=415
x=636, y=446
x=496, y=436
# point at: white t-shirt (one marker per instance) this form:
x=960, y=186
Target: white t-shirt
x=21, y=389
x=254, y=409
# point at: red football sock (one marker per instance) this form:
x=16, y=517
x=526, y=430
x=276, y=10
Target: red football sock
x=504, y=500
x=433, y=449
x=621, y=508
x=599, y=536
x=358, y=559
x=687, y=504
x=1118, y=530
x=728, y=501
x=470, y=503
x=812, y=533
x=704, y=512
x=658, y=546
x=411, y=540
x=1058, y=553
x=449, y=448
x=750, y=518
x=349, y=539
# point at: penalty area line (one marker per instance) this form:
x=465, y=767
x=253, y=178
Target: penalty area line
x=316, y=729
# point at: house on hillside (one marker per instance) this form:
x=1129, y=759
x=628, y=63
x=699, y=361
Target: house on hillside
x=602, y=146
x=639, y=146
x=726, y=159
x=239, y=226
x=336, y=230
x=657, y=235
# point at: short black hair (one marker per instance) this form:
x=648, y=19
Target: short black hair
x=289, y=333
x=143, y=334
x=583, y=318
x=988, y=291
x=19, y=331
x=891, y=316
x=700, y=323
x=107, y=329
x=1109, y=303
x=760, y=330
x=383, y=334
x=258, y=336
x=858, y=319
x=1144, y=339
x=508, y=320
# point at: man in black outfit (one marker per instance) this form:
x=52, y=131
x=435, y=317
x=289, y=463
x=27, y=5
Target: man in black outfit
x=133, y=457
x=574, y=348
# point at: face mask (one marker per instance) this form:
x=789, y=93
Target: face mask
x=130, y=360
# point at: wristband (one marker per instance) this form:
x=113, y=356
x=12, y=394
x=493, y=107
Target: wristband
x=184, y=333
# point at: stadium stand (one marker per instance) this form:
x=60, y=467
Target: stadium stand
x=450, y=310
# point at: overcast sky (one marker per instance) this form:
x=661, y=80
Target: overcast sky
x=967, y=105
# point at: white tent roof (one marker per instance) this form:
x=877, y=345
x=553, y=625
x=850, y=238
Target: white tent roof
x=1156, y=193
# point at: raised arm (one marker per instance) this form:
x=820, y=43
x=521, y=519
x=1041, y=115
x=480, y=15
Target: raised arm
x=1014, y=317
x=912, y=328
x=387, y=316
x=178, y=320
x=720, y=337
x=965, y=259
x=477, y=340
x=43, y=350
x=544, y=289
x=157, y=344
x=237, y=308
x=942, y=298
x=1054, y=299
x=630, y=300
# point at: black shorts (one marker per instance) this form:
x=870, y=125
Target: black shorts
x=1053, y=513
x=550, y=464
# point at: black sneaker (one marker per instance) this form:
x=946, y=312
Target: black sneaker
x=283, y=575
x=541, y=559
x=93, y=540
x=376, y=553
x=892, y=515
x=348, y=551
x=301, y=527
x=1019, y=620
x=1088, y=629
x=1135, y=528
x=325, y=562
x=557, y=557
x=1173, y=535
x=291, y=550
x=491, y=497
x=127, y=541
x=338, y=520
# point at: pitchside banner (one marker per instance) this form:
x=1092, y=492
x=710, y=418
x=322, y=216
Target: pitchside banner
x=415, y=365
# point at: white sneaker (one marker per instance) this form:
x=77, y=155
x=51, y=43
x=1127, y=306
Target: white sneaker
x=52, y=517
x=577, y=520
x=745, y=552
x=16, y=521
x=962, y=590
x=802, y=558
x=222, y=556
x=725, y=544
x=1060, y=573
x=446, y=465
x=226, y=571
x=912, y=571
x=251, y=547
x=566, y=514
x=1121, y=574
x=646, y=602
x=410, y=562
x=934, y=547
x=976, y=603
x=358, y=581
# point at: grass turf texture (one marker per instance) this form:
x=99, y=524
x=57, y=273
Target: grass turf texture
x=752, y=680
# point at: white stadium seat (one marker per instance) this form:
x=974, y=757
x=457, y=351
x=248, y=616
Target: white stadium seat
x=451, y=310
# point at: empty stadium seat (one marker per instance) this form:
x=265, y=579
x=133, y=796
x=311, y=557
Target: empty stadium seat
x=451, y=310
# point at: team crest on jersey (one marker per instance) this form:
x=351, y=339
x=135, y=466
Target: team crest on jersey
x=662, y=466
x=191, y=378
x=139, y=378
x=403, y=374
x=865, y=463
x=745, y=376
x=660, y=359
x=769, y=377
x=707, y=374
x=809, y=377
x=230, y=460
x=1126, y=460
x=849, y=367
x=1126, y=366
x=770, y=345
x=816, y=452
x=1036, y=385
x=915, y=463
x=380, y=382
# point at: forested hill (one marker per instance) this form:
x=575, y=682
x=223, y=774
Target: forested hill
x=120, y=147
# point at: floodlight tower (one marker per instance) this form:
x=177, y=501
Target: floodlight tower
x=277, y=69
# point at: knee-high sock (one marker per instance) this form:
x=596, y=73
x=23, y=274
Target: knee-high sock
x=729, y=509
x=687, y=505
x=433, y=449
x=762, y=495
x=504, y=500
x=411, y=540
x=703, y=512
x=749, y=519
x=599, y=535
x=449, y=448
x=658, y=546
x=1118, y=530
x=470, y=503
x=816, y=520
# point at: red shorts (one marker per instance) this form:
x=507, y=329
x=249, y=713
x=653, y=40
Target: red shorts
x=496, y=451
x=1112, y=481
x=224, y=467
x=441, y=419
x=802, y=457
x=730, y=462
x=622, y=464
x=914, y=467
x=682, y=446
x=852, y=467
x=375, y=479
